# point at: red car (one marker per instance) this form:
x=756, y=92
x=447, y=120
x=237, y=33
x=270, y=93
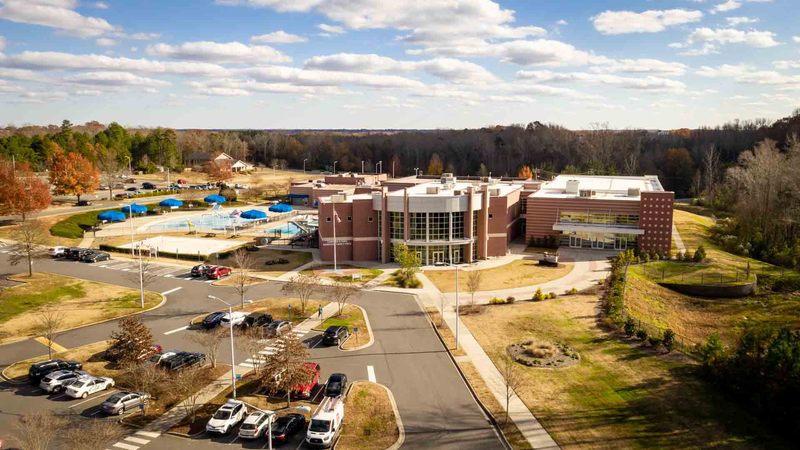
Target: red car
x=182, y=181
x=303, y=390
x=218, y=272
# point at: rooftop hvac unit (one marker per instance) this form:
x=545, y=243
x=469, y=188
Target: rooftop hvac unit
x=432, y=190
x=572, y=186
x=633, y=192
x=494, y=192
x=339, y=198
x=458, y=192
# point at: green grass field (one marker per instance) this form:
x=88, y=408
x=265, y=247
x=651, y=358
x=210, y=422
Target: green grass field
x=14, y=305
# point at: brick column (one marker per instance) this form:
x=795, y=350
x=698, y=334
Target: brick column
x=406, y=216
x=387, y=245
x=468, y=226
x=483, y=226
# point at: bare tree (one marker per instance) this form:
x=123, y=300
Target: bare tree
x=145, y=378
x=442, y=305
x=514, y=379
x=285, y=368
x=187, y=383
x=210, y=340
x=250, y=342
x=50, y=320
x=34, y=431
x=343, y=291
x=711, y=165
x=92, y=434
x=31, y=242
x=110, y=168
x=302, y=286
x=474, y=279
x=242, y=264
x=632, y=163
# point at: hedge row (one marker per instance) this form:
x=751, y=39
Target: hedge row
x=183, y=256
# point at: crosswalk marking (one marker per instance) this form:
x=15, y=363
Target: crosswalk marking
x=136, y=440
x=371, y=373
x=125, y=446
x=149, y=434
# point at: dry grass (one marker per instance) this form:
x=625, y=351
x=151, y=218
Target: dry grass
x=233, y=280
x=444, y=330
x=541, y=349
x=296, y=259
x=516, y=274
x=618, y=396
x=90, y=355
x=347, y=270
x=82, y=302
x=47, y=222
x=510, y=430
x=369, y=422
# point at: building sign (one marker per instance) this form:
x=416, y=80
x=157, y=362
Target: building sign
x=330, y=244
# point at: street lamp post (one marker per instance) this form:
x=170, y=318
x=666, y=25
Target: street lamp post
x=456, y=308
x=379, y=164
x=362, y=167
x=304, y=166
x=233, y=366
x=334, y=167
x=416, y=170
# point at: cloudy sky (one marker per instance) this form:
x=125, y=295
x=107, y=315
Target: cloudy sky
x=398, y=63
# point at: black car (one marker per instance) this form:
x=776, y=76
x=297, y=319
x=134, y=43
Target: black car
x=96, y=256
x=335, y=335
x=84, y=203
x=183, y=360
x=147, y=185
x=81, y=254
x=257, y=320
x=286, y=426
x=200, y=270
x=212, y=320
x=336, y=386
x=132, y=189
x=74, y=253
x=42, y=369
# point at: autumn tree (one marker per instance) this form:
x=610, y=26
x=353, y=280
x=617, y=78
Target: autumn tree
x=285, y=368
x=218, y=171
x=31, y=240
x=147, y=378
x=525, y=172
x=133, y=340
x=23, y=193
x=483, y=171
x=474, y=280
x=396, y=167
x=302, y=286
x=435, y=166
x=187, y=384
x=344, y=291
x=73, y=174
x=251, y=342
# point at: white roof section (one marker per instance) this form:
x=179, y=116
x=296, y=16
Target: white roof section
x=421, y=190
x=603, y=187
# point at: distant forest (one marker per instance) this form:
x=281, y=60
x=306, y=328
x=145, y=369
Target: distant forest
x=676, y=156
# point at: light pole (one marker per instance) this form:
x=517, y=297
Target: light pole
x=380, y=164
x=141, y=276
x=362, y=167
x=233, y=366
x=304, y=166
x=335, y=219
x=130, y=216
x=416, y=170
x=456, y=308
x=334, y=167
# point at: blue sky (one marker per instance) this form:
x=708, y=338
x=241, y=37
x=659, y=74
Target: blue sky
x=398, y=64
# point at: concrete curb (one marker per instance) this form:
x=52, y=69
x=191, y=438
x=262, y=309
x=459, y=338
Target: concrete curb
x=185, y=436
x=371, y=334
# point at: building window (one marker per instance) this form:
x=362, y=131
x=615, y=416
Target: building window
x=573, y=217
x=327, y=219
x=369, y=219
x=349, y=218
x=474, y=224
x=491, y=216
x=396, y=225
x=439, y=226
x=418, y=227
x=458, y=225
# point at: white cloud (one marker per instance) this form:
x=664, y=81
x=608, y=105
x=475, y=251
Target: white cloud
x=621, y=22
x=2, y=43
x=231, y=52
x=353, y=107
x=55, y=14
x=707, y=49
x=6, y=87
x=754, y=38
x=105, y=42
x=99, y=5
x=89, y=92
x=115, y=79
x=334, y=29
x=511, y=99
x=453, y=70
x=649, y=66
x=143, y=36
x=151, y=90
x=68, y=61
x=734, y=21
x=254, y=86
x=224, y=92
x=796, y=39
x=770, y=78
x=730, y=5
x=302, y=77
x=725, y=70
x=550, y=91
x=785, y=65
x=278, y=37
x=650, y=83
x=598, y=105
x=23, y=75
x=562, y=22
x=757, y=104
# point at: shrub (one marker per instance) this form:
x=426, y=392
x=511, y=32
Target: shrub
x=679, y=256
x=654, y=341
x=229, y=194
x=656, y=257
x=538, y=296
x=608, y=322
x=573, y=291
x=414, y=283
x=687, y=257
x=553, y=295
x=630, y=327
x=540, y=349
x=646, y=257
x=510, y=299
x=700, y=254
x=669, y=339
x=641, y=334
x=497, y=301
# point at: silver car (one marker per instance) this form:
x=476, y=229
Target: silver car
x=123, y=401
x=55, y=382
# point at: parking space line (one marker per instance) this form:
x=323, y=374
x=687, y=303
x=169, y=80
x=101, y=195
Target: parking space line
x=172, y=290
x=210, y=281
x=371, y=373
x=94, y=398
x=176, y=330
x=56, y=398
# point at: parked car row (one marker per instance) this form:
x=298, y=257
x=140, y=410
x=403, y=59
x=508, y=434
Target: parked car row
x=242, y=319
x=211, y=272
x=54, y=376
x=78, y=254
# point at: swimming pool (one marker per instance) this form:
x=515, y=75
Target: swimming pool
x=203, y=222
x=288, y=228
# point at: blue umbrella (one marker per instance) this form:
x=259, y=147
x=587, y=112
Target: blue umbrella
x=281, y=208
x=253, y=214
x=170, y=202
x=136, y=209
x=111, y=216
x=214, y=199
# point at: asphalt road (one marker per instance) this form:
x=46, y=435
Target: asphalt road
x=407, y=357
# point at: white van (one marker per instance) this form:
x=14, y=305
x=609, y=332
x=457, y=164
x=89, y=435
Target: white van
x=326, y=425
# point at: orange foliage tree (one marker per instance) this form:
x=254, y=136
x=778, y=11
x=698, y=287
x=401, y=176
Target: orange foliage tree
x=72, y=174
x=396, y=166
x=23, y=192
x=435, y=166
x=218, y=171
x=526, y=172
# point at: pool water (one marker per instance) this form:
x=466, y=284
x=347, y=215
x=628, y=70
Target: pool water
x=288, y=228
x=205, y=222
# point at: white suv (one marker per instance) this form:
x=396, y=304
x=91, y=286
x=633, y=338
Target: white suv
x=226, y=417
x=254, y=426
x=56, y=381
x=235, y=320
x=58, y=251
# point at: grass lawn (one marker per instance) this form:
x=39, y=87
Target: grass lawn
x=90, y=355
x=394, y=281
x=367, y=275
x=369, y=422
x=47, y=222
x=692, y=273
x=352, y=317
x=516, y=274
x=82, y=302
x=619, y=396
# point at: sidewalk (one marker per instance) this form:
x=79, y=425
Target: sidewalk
x=676, y=236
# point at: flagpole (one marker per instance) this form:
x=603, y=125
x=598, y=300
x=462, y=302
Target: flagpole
x=335, y=218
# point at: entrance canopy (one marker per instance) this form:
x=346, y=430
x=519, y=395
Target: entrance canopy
x=568, y=227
